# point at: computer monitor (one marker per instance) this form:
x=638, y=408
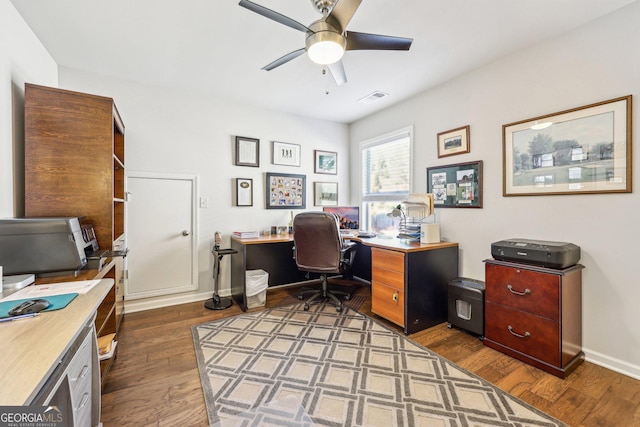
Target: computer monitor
x=349, y=216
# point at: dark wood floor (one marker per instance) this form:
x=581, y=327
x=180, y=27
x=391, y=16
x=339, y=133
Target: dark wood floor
x=154, y=381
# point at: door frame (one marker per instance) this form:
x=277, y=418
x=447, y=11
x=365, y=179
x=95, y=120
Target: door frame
x=193, y=179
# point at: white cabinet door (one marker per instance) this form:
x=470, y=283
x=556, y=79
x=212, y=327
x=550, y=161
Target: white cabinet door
x=161, y=234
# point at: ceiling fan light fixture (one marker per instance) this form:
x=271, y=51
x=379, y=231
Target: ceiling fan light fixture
x=325, y=47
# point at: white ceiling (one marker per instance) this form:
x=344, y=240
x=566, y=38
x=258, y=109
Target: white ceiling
x=219, y=48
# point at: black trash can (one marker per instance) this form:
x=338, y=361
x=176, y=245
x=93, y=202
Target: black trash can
x=466, y=305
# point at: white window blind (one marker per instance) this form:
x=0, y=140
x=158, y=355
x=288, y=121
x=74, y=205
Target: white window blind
x=386, y=179
x=386, y=168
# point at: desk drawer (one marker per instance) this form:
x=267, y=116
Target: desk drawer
x=79, y=373
x=387, y=302
x=531, y=291
x=80, y=365
x=539, y=337
x=387, y=260
x=390, y=278
x=82, y=410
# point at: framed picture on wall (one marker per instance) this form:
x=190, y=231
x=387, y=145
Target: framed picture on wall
x=286, y=154
x=325, y=162
x=325, y=194
x=247, y=151
x=454, y=141
x=579, y=151
x=285, y=191
x=244, y=192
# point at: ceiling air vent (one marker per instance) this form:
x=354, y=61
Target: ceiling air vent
x=373, y=97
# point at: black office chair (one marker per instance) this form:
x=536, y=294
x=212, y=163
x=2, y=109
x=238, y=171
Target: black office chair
x=319, y=248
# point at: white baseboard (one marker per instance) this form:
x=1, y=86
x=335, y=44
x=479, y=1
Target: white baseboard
x=616, y=365
x=143, y=304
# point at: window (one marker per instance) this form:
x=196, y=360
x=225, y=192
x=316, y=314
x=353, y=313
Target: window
x=386, y=179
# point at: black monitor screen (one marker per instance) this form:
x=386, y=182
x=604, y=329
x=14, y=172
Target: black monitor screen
x=349, y=216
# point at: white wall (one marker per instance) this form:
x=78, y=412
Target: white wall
x=169, y=132
x=595, y=63
x=22, y=59
x=174, y=132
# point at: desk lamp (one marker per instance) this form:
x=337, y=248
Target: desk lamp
x=217, y=302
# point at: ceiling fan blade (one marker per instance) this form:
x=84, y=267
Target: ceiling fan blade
x=271, y=14
x=337, y=71
x=342, y=13
x=365, y=41
x=283, y=60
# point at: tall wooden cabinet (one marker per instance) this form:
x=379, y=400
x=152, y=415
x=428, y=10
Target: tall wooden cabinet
x=74, y=159
x=74, y=167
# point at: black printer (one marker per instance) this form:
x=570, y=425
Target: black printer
x=557, y=255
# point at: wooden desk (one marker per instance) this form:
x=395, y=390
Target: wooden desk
x=33, y=348
x=410, y=291
x=409, y=281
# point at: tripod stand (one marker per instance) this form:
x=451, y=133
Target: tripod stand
x=217, y=302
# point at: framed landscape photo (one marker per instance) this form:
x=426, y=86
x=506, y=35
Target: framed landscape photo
x=454, y=141
x=325, y=194
x=286, y=154
x=456, y=186
x=325, y=162
x=285, y=191
x=579, y=151
x=244, y=192
x=247, y=151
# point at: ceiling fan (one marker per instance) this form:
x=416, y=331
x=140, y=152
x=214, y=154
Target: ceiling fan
x=327, y=38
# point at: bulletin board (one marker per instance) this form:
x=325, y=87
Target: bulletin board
x=456, y=186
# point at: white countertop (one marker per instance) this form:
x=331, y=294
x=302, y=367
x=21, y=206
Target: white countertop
x=30, y=349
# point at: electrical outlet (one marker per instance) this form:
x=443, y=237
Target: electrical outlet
x=204, y=202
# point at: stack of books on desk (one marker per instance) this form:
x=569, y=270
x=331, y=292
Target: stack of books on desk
x=246, y=234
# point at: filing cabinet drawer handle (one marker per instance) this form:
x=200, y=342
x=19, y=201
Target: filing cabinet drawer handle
x=527, y=334
x=395, y=296
x=83, y=372
x=526, y=291
x=85, y=399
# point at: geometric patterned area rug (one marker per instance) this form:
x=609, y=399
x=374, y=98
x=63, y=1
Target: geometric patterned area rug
x=284, y=366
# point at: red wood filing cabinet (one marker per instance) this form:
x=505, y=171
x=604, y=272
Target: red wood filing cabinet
x=534, y=314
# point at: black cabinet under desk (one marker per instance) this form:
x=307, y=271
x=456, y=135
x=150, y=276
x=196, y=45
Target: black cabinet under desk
x=271, y=254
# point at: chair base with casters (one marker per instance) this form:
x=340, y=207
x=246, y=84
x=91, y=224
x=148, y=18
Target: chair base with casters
x=218, y=302
x=322, y=294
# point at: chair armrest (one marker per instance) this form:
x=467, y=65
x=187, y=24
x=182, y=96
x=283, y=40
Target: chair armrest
x=348, y=253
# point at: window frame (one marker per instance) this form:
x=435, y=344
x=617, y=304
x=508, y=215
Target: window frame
x=406, y=132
